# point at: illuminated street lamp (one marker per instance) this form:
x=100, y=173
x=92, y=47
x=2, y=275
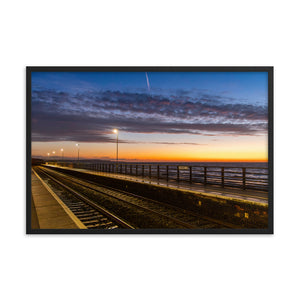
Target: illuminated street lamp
x=77, y=145
x=62, y=153
x=117, y=133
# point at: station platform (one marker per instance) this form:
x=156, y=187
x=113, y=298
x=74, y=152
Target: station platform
x=47, y=209
x=249, y=196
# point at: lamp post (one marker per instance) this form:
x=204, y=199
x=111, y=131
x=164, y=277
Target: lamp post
x=117, y=133
x=77, y=145
x=62, y=153
x=48, y=155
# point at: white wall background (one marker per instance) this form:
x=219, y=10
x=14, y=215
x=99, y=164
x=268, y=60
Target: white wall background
x=171, y=33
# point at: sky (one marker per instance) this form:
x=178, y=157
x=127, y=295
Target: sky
x=160, y=116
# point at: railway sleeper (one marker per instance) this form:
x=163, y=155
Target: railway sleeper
x=90, y=222
x=89, y=218
x=106, y=224
x=84, y=214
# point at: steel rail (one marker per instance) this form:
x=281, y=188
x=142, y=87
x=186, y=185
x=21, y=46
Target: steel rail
x=182, y=223
x=179, y=209
x=91, y=203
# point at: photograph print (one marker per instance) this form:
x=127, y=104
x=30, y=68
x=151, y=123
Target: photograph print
x=149, y=150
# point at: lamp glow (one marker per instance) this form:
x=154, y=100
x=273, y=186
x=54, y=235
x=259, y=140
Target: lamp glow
x=117, y=133
x=77, y=145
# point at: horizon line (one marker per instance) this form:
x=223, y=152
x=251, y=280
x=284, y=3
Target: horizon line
x=57, y=158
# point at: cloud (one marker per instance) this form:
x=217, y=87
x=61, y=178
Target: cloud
x=90, y=116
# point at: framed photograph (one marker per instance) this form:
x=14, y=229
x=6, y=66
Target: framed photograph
x=149, y=150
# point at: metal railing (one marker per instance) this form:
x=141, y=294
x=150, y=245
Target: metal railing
x=225, y=176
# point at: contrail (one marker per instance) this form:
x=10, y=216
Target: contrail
x=148, y=84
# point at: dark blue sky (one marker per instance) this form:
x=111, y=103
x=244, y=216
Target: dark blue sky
x=250, y=87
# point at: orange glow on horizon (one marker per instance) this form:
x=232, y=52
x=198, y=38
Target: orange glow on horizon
x=222, y=152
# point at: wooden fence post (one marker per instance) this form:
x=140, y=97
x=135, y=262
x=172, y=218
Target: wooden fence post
x=222, y=174
x=244, y=178
x=167, y=173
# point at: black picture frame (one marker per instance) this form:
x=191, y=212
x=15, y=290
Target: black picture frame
x=267, y=69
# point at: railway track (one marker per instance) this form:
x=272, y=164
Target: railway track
x=139, y=211
x=90, y=214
